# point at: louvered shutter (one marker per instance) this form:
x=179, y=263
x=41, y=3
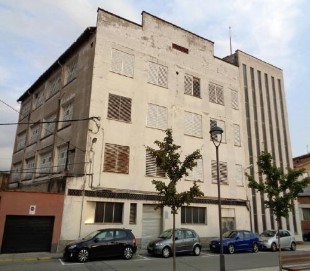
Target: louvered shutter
x=151, y=168
x=234, y=100
x=152, y=115
x=125, y=112
x=157, y=116
x=236, y=135
x=212, y=93
x=153, y=73
x=116, y=158
x=114, y=106
x=213, y=123
x=128, y=64
x=220, y=95
x=196, y=87
x=196, y=174
x=163, y=76
x=238, y=175
x=223, y=172
x=213, y=171
x=110, y=156
x=188, y=82
x=193, y=124
x=116, y=61
x=123, y=159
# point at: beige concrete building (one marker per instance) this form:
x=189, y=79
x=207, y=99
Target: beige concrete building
x=87, y=120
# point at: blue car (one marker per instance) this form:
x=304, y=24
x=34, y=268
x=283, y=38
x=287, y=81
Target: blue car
x=238, y=240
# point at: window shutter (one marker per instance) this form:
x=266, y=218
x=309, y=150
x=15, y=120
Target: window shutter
x=128, y=66
x=193, y=124
x=125, y=113
x=222, y=169
x=196, y=87
x=212, y=93
x=151, y=169
x=220, y=95
x=236, y=135
x=196, y=174
x=163, y=76
x=123, y=159
x=153, y=73
x=157, y=117
x=116, y=61
x=188, y=81
x=116, y=158
x=238, y=175
x=234, y=100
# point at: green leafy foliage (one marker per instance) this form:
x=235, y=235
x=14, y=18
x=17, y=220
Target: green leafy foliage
x=281, y=189
x=168, y=159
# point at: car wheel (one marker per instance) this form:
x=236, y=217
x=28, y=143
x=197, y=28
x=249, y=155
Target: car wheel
x=255, y=248
x=83, y=255
x=197, y=250
x=231, y=249
x=273, y=247
x=293, y=246
x=128, y=253
x=166, y=252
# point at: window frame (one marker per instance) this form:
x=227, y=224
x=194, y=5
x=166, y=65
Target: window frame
x=157, y=116
x=188, y=215
x=119, y=108
x=192, y=124
x=157, y=75
x=101, y=212
x=118, y=155
x=122, y=63
x=189, y=85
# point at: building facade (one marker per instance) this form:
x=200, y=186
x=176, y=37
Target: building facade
x=86, y=122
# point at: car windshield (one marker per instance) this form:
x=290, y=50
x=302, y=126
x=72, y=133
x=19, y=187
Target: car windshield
x=268, y=233
x=166, y=234
x=91, y=235
x=230, y=234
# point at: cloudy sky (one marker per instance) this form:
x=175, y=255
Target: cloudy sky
x=34, y=33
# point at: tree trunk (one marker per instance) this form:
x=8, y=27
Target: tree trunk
x=279, y=244
x=173, y=241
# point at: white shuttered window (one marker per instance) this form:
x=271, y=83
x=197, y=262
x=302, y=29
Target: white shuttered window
x=216, y=94
x=122, y=63
x=151, y=169
x=193, y=124
x=157, y=116
x=222, y=169
x=158, y=75
x=196, y=174
x=237, y=141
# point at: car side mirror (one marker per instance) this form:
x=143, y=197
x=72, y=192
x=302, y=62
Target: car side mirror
x=96, y=240
x=237, y=237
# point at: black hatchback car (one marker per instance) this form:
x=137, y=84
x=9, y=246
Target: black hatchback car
x=102, y=243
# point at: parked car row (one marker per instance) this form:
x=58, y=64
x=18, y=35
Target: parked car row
x=116, y=242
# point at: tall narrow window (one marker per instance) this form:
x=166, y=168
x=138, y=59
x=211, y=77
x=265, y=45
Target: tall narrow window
x=157, y=116
x=234, y=100
x=116, y=158
x=62, y=157
x=54, y=86
x=122, y=63
x=71, y=70
x=49, y=126
x=39, y=98
x=119, y=108
x=29, y=168
x=158, y=75
x=151, y=169
x=193, y=124
x=67, y=113
x=133, y=213
x=34, y=133
x=21, y=141
x=192, y=85
x=239, y=175
x=16, y=172
x=216, y=94
x=237, y=140
x=45, y=163
x=222, y=169
x=26, y=107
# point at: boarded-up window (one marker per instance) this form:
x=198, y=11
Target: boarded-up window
x=221, y=124
x=109, y=212
x=34, y=133
x=216, y=94
x=119, y=108
x=158, y=75
x=21, y=140
x=193, y=215
x=157, y=116
x=234, y=100
x=116, y=158
x=39, y=98
x=67, y=114
x=151, y=169
x=191, y=85
x=54, y=86
x=237, y=141
x=193, y=124
x=133, y=213
x=239, y=175
x=196, y=174
x=29, y=168
x=62, y=157
x=222, y=169
x=122, y=63
x=71, y=70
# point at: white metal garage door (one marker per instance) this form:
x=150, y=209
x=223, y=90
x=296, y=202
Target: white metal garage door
x=151, y=223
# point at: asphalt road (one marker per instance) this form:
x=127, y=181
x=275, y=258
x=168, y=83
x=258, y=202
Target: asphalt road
x=205, y=262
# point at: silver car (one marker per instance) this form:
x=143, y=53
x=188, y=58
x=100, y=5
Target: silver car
x=269, y=240
x=186, y=241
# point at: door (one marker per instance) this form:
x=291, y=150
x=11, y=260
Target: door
x=27, y=234
x=151, y=223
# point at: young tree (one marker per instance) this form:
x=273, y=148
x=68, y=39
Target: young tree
x=281, y=189
x=168, y=160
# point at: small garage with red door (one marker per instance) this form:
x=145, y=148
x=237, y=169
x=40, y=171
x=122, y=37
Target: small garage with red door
x=30, y=221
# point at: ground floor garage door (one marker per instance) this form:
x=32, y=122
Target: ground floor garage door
x=27, y=234
x=151, y=223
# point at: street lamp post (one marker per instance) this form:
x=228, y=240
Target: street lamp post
x=216, y=136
